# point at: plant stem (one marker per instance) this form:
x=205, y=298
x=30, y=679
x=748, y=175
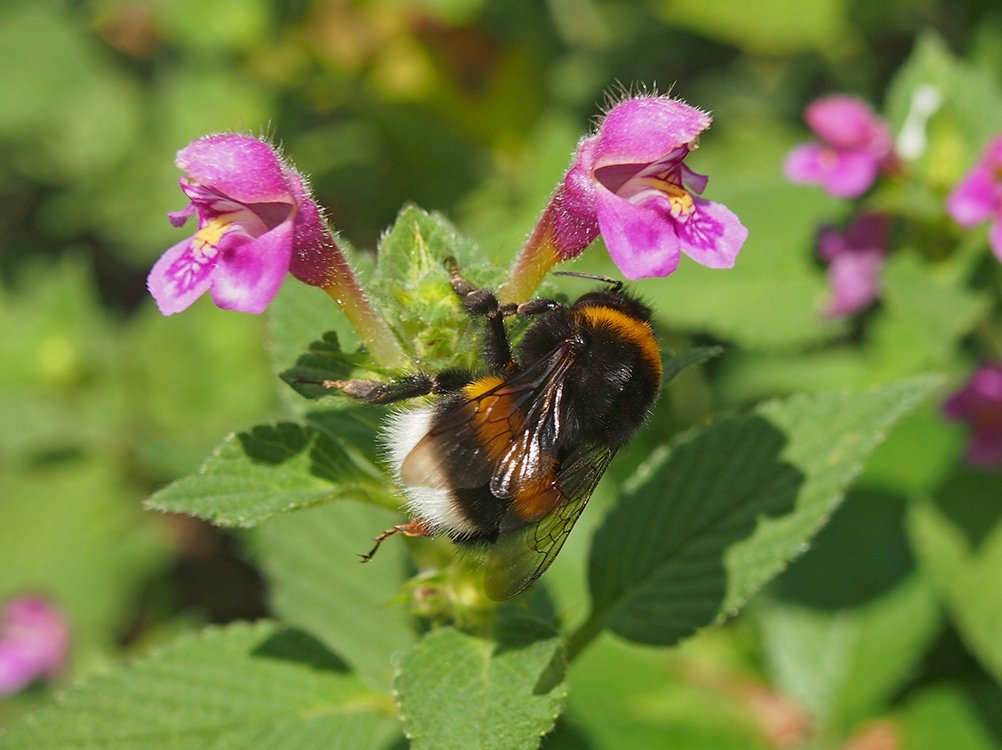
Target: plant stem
x=538, y=256
x=377, y=337
x=587, y=632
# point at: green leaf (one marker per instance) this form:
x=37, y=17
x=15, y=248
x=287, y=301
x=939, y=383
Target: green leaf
x=297, y=316
x=969, y=108
x=928, y=308
x=675, y=363
x=276, y=468
x=709, y=522
x=310, y=560
x=772, y=28
x=411, y=282
x=953, y=716
x=245, y=686
x=459, y=691
x=958, y=540
x=627, y=696
x=849, y=622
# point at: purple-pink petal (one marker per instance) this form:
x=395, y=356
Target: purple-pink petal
x=251, y=270
x=712, y=236
x=34, y=642
x=179, y=278
x=640, y=238
x=854, y=279
x=843, y=121
x=644, y=129
x=979, y=403
x=975, y=199
x=844, y=174
x=246, y=169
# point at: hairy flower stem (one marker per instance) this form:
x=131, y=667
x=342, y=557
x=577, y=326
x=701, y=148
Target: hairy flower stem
x=372, y=330
x=538, y=256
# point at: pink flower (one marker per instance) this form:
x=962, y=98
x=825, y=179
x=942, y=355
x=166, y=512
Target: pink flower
x=256, y=221
x=856, y=258
x=979, y=403
x=978, y=197
x=855, y=147
x=630, y=183
x=34, y=641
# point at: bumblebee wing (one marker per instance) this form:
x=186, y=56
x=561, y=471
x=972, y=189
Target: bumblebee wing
x=521, y=555
x=501, y=436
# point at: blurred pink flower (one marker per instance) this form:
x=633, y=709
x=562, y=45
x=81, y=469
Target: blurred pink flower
x=256, y=221
x=979, y=403
x=630, y=183
x=855, y=257
x=855, y=147
x=34, y=642
x=978, y=197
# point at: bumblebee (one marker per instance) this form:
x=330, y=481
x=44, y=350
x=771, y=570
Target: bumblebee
x=506, y=461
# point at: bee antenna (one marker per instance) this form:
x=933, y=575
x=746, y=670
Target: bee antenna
x=615, y=283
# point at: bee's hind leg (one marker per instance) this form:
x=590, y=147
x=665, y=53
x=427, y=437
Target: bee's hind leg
x=415, y=527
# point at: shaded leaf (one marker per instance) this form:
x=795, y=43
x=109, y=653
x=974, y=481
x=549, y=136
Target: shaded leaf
x=954, y=716
x=958, y=539
x=849, y=622
x=709, y=522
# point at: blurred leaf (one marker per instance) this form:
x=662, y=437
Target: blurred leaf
x=952, y=716
x=94, y=119
x=190, y=378
x=458, y=691
x=626, y=696
x=675, y=363
x=917, y=455
x=774, y=27
x=59, y=353
x=928, y=309
x=272, y=469
x=245, y=686
x=232, y=25
x=969, y=108
x=851, y=619
x=725, y=510
x=958, y=540
x=68, y=531
x=310, y=560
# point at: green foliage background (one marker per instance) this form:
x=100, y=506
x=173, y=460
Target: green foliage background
x=888, y=624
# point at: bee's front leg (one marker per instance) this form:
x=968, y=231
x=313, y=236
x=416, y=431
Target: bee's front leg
x=484, y=303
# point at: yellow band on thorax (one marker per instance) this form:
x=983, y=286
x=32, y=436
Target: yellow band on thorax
x=639, y=332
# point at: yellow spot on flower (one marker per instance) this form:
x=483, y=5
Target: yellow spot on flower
x=681, y=202
x=205, y=243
